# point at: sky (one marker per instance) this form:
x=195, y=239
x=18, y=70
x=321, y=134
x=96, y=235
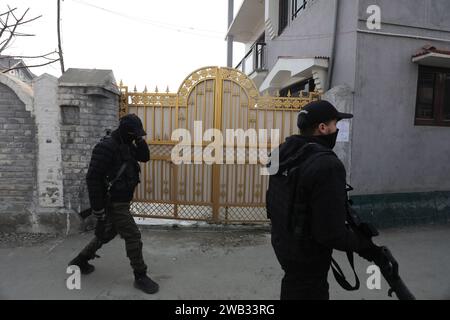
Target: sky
x=145, y=42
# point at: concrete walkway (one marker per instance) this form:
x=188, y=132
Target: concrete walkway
x=203, y=264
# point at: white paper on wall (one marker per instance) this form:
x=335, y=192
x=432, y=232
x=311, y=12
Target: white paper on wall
x=344, y=131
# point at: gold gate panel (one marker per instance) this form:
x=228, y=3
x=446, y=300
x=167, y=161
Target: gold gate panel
x=221, y=98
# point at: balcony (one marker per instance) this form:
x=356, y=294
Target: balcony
x=254, y=63
x=247, y=21
x=288, y=70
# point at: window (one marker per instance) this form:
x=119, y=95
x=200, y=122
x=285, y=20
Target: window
x=433, y=97
x=297, y=6
x=70, y=115
x=255, y=59
x=283, y=15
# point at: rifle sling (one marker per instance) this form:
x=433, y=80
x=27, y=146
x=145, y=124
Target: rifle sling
x=340, y=277
x=119, y=173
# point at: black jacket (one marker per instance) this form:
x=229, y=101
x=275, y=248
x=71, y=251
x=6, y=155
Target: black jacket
x=324, y=185
x=107, y=158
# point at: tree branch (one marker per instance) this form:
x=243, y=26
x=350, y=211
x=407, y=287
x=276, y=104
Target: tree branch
x=6, y=41
x=7, y=12
x=10, y=22
x=5, y=27
x=12, y=12
x=32, y=66
x=26, y=21
x=60, y=52
x=18, y=34
x=31, y=57
x=4, y=24
x=12, y=33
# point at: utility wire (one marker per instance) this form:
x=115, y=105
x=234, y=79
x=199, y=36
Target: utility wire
x=163, y=25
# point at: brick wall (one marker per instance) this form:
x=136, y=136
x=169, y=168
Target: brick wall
x=17, y=161
x=47, y=133
x=85, y=119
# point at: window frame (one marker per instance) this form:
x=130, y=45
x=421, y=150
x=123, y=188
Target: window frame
x=296, y=8
x=438, y=97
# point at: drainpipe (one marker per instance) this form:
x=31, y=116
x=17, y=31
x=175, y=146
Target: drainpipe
x=230, y=38
x=333, y=46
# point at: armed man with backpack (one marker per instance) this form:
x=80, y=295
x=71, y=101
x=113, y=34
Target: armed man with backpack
x=307, y=205
x=112, y=177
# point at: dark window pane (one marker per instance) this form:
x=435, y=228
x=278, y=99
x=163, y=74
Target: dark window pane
x=425, y=96
x=446, y=109
x=283, y=15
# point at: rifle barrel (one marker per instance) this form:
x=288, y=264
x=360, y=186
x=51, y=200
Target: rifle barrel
x=401, y=290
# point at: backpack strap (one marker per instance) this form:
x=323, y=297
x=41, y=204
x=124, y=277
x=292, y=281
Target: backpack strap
x=311, y=155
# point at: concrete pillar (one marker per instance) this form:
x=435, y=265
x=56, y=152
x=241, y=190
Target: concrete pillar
x=49, y=162
x=230, y=38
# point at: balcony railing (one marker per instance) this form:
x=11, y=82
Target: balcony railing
x=254, y=60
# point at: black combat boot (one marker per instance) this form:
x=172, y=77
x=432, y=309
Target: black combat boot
x=144, y=283
x=82, y=263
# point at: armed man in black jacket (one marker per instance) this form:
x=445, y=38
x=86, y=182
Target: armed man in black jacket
x=112, y=177
x=319, y=203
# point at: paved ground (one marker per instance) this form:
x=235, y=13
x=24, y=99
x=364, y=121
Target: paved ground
x=203, y=264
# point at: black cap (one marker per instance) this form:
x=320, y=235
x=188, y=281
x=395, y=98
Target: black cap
x=318, y=112
x=132, y=123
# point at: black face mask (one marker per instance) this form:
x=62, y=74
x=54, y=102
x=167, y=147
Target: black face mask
x=330, y=139
x=126, y=137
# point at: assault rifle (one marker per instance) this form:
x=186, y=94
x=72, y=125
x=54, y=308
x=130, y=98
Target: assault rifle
x=385, y=261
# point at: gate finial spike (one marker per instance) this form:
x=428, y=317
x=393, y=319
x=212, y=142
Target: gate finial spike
x=121, y=83
x=135, y=89
x=156, y=89
x=145, y=89
x=167, y=90
x=277, y=94
x=289, y=94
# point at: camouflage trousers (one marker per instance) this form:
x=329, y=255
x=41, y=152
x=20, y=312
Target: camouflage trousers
x=119, y=221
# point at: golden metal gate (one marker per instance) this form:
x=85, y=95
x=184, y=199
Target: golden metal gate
x=221, y=98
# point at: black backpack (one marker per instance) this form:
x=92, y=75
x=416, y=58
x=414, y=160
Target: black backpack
x=285, y=198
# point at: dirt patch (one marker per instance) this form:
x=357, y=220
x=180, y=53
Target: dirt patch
x=12, y=240
x=229, y=240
